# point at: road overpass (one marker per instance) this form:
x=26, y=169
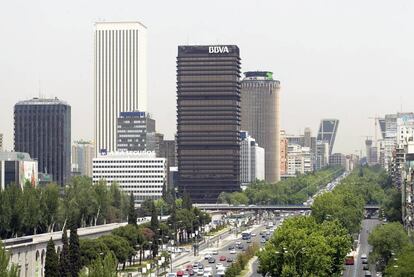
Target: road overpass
x=224, y=207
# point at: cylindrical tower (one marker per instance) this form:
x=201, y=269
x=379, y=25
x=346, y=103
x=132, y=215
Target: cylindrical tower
x=260, y=116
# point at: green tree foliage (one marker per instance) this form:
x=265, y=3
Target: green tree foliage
x=90, y=250
x=31, y=210
x=105, y=267
x=302, y=247
x=64, y=262
x=74, y=253
x=119, y=246
x=52, y=260
x=290, y=191
x=386, y=240
x=7, y=270
x=402, y=266
x=132, y=214
x=392, y=205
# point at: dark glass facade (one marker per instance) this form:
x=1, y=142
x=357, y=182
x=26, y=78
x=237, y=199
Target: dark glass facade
x=42, y=128
x=327, y=132
x=208, y=121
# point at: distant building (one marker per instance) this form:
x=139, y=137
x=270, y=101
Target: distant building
x=208, y=120
x=252, y=160
x=133, y=130
x=82, y=154
x=17, y=168
x=42, y=128
x=120, y=77
x=167, y=150
x=141, y=173
x=260, y=116
x=327, y=132
x=298, y=160
x=283, y=153
x=154, y=141
x=305, y=140
x=371, y=152
x=1, y=142
x=338, y=159
x=322, y=154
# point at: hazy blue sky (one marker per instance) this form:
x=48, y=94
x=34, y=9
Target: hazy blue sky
x=338, y=59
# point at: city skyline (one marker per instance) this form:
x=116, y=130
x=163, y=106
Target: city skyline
x=296, y=50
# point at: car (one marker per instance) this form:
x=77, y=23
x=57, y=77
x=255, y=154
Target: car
x=211, y=260
x=223, y=258
x=249, y=241
x=367, y=273
x=233, y=251
x=180, y=273
x=220, y=273
x=231, y=247
x=190, y=272
x=364, y=256
x=207, y=256
x=186, y=274
x=238, y=243
x=253, y=234
x=200, y=265
x=214, y=252
x=171, y=274
x=240, y=246
x=365, y=267
x=229, y=259
x=195, y=265
x=218, y=265
x=262, y=240
x=200, y=272
x=188, y=267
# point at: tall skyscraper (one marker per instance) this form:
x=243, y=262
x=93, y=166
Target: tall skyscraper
x=120, y=77
x=42, y=128
x=260, y=117
x=208, y=120
x=327, y=132
x=132, y=131
x=82, y=154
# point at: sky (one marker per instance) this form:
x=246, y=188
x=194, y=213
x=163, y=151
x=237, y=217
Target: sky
x=349, y=60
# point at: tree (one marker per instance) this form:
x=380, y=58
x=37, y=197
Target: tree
x=64, y=262
x=402, y=266
x=52, y=261
x=386, y=240
x=132, y=214
x=187, y=202
x=119, y=246
x=7, y=270
x=392, y=205
x=49, y=204
x=302, y=247
x=90, y=250
x=74, y=253
x=105, y=267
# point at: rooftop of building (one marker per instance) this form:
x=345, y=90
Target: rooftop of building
x=127, y=24
x=14, y=156
x=259, y=76
x=42, y=101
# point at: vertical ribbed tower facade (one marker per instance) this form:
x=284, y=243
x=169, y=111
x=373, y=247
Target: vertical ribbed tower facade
x=42, y=128
x=260, y=116
x=120, y=71
x=208, y=121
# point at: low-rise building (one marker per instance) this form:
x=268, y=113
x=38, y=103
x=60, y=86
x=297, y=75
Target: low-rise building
x=17, y=168
x=137, y=172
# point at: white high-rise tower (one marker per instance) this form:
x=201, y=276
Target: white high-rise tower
x=120, y=69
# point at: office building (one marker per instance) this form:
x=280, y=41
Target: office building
x=252, y=160
x=154, y=141
x=42, y=128
x=120, y=71
x=338, y=159
x=1, y=142
x=260, y=116
x=17, y=168
x=139, y=172
x=322, y=154
x=208, y=121
x=167, y=150
x=133, y=129
x=82, y=154
x=327, y=132
x=298, y=160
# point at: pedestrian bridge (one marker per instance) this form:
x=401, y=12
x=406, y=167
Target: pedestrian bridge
x=227, y=207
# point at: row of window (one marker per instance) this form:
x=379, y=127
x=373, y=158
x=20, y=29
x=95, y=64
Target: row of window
x=128, y=171
x=129, y=177
x=128, y=166
x=127, y=161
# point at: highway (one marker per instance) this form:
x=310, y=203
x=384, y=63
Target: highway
x=357, y=270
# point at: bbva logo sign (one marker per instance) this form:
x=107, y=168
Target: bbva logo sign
x=218, y=49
